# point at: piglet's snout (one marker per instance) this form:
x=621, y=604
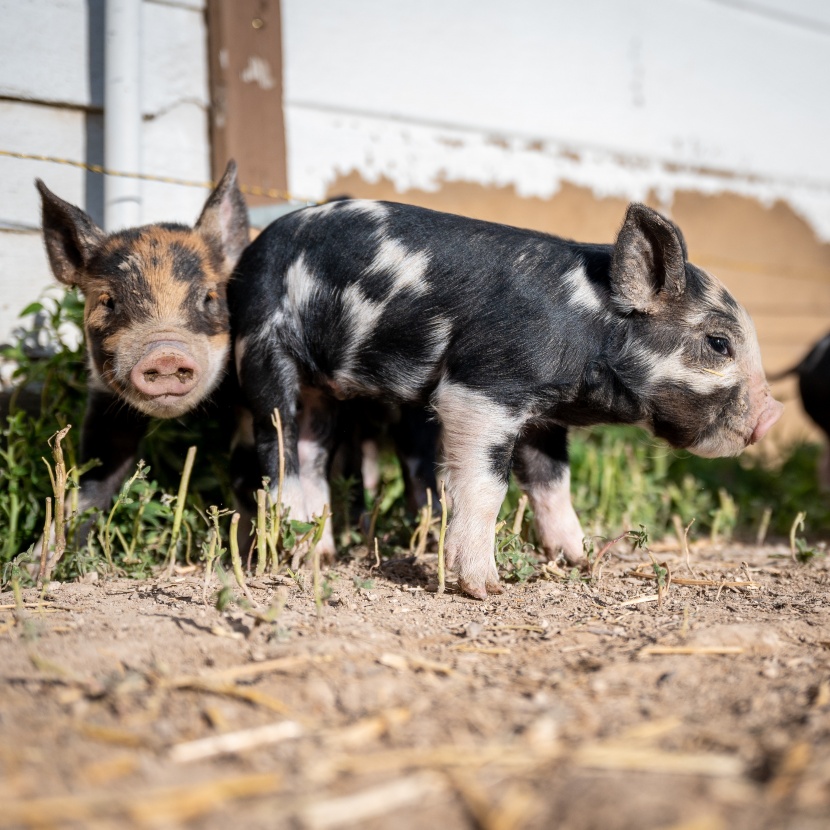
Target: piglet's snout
x=165, y=369
x=769, y=415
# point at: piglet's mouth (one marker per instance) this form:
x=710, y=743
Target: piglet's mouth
x=166, y=384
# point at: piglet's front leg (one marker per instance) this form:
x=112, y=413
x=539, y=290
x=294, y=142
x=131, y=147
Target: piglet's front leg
x=478, y=442
x=316, y=437
x=541, y=468
x=111, y=433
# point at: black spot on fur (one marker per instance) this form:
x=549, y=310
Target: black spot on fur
x=206, y=310
x=187, y=265
x=541, y=455
x=501, y=459
x=127, y=237
x=672, y=403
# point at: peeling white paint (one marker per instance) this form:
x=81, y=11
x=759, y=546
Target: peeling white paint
x=625, y=97
x=258, y=71
x=326, y=145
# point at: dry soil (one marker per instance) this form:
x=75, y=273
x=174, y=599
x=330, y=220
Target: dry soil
x=560, y=704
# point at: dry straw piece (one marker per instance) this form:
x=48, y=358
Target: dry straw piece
x=655, y=650
x=649, y=759
x=352, y=810
x=506, y=755
x=234, y=742
x=739, y=585
x=441, y=537
x=59, y=477
x=414, y=663
x=152, y=807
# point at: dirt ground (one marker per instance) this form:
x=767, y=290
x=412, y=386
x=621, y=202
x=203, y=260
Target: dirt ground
x=560, y=704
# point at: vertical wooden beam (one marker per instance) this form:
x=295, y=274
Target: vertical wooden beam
x=247, y=124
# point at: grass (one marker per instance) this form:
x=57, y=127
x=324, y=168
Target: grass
x=176, y=506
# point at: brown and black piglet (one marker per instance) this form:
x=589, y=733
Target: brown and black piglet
x=156, y=320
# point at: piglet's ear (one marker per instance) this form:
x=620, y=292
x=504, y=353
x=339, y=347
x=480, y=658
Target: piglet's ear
x=649, y=260
x=71, y=237
x=224, y=220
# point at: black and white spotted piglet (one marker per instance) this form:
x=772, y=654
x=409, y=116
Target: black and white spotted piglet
x=510, y=335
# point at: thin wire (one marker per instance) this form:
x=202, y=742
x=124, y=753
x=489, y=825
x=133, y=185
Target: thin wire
x=253, y=190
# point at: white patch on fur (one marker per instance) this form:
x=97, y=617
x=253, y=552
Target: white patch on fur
x=675, y=367
x=556, y=521
x=581, y=293
x=293, y=499
x=367, y=206
x=407, y=268
x=370, y=208
x=277, y=320
x=370, y=465
x=408, y=386
x=473, y=424
x=363, y=316
x=300, y=284
x=750, y=356
x=313, y=464
x=712, y=290
x=317, y=499
x=319, y=211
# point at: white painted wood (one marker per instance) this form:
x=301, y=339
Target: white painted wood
x=42, y=130
x=122, y=113
x=173, y=57
x=803, y=13
x=175, y=144
x=45, y=51
x=24, y=275
x=193, y=5
x=623, y=96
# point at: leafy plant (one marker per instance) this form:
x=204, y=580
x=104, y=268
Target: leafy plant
x=515, y=557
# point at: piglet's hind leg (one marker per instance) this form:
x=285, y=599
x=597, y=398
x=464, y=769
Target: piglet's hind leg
x=269, y=381
x=541, y=468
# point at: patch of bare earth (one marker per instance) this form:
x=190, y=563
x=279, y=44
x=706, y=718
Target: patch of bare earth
x=559, y=704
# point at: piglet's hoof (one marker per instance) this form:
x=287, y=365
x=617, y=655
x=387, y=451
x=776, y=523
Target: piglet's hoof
x=479, y=590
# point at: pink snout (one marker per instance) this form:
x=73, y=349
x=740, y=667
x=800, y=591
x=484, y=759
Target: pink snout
x=165, y=369
x=770, y=414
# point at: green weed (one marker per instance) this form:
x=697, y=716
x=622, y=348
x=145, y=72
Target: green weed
x=515, y=558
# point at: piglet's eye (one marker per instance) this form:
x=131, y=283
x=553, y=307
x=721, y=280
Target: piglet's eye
x=106, y=301
x=720, y=345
